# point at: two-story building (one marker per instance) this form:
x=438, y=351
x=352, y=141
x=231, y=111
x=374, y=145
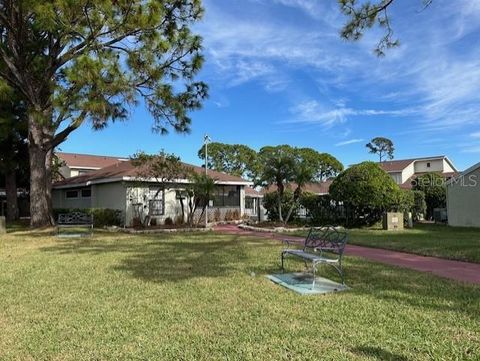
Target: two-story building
x=404, y=171
x=74, y=164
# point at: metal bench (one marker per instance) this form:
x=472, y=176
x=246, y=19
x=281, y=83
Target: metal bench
x=75, y=220
x=322, y=246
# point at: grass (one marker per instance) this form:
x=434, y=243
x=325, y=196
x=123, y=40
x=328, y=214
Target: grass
x=203, y=296
x=435, y=240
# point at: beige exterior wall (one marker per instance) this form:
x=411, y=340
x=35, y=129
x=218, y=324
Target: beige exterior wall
x=408, y=172
x=133, y=201
x=59, y=199
x=436, y=165
x=397, y=177
x=447, y=168
x=463, y=200
x=65, y=171
x=137, y=204
x=68, y=172
x=109, y=195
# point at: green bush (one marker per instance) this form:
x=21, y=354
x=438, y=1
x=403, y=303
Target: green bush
x=366, y=191
x=420, y=206
x=435, y=190
x=101, y=216
x=403, y=200
x=322, y=209
x=270, y=202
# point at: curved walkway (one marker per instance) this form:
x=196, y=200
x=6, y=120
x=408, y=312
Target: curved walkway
x=455, y=270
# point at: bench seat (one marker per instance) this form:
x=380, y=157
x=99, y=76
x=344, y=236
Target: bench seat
x=75, y=220
x=321, y=246
x=310, y=256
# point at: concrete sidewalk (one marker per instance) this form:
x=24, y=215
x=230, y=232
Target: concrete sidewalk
x=455, y=270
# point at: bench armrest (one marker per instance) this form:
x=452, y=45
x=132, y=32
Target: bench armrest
x=286, y=243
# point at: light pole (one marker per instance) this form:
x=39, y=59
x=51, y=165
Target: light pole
x=206, y=139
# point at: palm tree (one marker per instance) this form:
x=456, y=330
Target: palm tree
x=278, y=164
x=199, y=193
x=303, y=173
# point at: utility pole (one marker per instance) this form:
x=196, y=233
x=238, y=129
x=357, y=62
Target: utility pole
x=206, y=139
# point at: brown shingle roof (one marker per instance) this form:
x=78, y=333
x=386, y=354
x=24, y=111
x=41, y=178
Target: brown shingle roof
x=401, y=164
x=126, y=169
x=317, y=188
x=395, y=165
x=252, y=192
x=87, y=160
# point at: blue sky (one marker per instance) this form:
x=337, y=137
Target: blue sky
x=280, y=74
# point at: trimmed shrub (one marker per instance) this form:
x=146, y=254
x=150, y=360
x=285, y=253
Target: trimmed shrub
x=168, y=221
x=102, y=217
x=403, y=200
x=366, y=191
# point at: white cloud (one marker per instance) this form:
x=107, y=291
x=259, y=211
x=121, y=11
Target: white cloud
x=350, y=141
x=313, y=112
x=431, y=77
x=471, y=149
x=475, y=135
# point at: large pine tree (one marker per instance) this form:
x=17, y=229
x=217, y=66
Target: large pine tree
x=84, y=60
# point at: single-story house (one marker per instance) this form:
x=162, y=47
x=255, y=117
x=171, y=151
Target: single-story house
x=253, y=204
x=119, y=187
x=320, y=188
x=463, y=198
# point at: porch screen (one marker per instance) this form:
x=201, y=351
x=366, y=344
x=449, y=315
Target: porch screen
x=226, y=196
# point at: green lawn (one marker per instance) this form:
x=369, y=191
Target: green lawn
x=204, y=297
x=425, y=239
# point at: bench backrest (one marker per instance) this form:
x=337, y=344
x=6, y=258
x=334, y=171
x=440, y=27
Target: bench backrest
x=328, y=239
x=75, y=218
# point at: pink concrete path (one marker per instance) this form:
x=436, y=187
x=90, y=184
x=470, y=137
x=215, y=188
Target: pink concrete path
x=455, y=270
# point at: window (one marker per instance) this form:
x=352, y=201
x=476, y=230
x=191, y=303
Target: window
x=86, y=193
x=71, y=194
x=156, y=202
x=428, y=165
x=250, y=203
x=226, y=196
x=181, y=194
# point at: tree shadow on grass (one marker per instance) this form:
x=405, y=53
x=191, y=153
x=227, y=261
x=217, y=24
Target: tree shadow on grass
x=412, y=288
x=378, y=353
x=165, y=258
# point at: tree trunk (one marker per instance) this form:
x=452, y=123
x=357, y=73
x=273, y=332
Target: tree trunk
x=40, y=187
x=290, y=211
x=11, y=192
x=48, y=185
x=279, y=205
x=40, y=153
x=296, y=197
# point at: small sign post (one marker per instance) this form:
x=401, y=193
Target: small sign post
x=393, y=221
